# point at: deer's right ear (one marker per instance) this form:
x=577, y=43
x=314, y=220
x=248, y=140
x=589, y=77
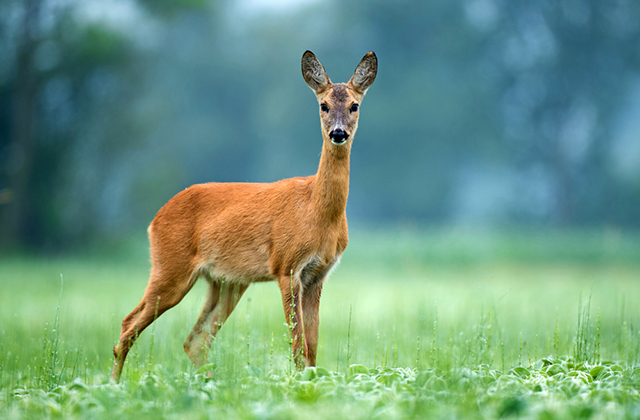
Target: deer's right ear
x=313, y=72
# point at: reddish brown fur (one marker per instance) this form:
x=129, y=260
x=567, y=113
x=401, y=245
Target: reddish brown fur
x=234, y=234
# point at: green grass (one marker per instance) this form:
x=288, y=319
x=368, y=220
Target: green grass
x=413, y=325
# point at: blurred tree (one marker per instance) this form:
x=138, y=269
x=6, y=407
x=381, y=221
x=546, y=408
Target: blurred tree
x=566, y=66
x=55, y=74
x=483, y=110
x=22, y=147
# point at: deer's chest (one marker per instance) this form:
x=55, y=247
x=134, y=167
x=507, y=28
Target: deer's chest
x=315, y=270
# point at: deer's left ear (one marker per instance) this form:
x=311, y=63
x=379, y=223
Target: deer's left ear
x=365, y=73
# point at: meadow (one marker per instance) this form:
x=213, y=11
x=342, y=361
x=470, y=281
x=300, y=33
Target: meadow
x=414, y=324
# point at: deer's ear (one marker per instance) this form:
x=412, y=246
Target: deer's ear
x=365, y=73
x=313, y=72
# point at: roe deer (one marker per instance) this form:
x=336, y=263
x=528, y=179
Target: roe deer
x=233, y=234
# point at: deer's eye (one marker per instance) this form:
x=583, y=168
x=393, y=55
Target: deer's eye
x=324, y=107
x=354, y=108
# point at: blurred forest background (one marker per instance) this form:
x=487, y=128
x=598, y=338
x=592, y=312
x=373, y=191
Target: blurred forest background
x=485, y=112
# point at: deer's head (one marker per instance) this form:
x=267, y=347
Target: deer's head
x=339, y=102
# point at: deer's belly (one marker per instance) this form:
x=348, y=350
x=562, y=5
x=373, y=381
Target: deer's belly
x=239, y=267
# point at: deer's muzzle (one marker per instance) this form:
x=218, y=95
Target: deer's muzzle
x=338, y=136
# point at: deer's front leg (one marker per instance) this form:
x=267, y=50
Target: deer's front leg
x=310, y=315
x=290, y=290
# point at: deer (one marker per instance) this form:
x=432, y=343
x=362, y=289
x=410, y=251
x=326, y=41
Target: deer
x=292, y=231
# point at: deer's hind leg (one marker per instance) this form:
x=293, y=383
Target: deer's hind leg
x=221, y=301
x=166, y=289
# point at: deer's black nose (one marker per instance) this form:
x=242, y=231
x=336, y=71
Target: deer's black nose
x=338, y=136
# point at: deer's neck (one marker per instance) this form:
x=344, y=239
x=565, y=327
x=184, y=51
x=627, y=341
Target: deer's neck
x=332, y=182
